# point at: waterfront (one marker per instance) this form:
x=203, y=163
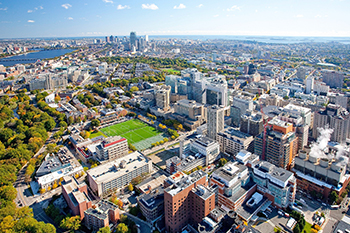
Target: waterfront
x=33, y=57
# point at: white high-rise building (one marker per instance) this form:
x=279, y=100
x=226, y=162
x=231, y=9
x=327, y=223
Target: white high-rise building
x=215, y=120
x=309, y=84
x=102, y=68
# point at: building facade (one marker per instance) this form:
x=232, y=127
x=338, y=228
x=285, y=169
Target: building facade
x=112, y=148
x=215, y=120
x=118, y=173
x=233, y=141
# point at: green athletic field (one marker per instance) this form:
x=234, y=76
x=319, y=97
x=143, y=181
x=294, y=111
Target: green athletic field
x=138, y=133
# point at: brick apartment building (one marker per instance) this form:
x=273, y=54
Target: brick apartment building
x=101, y=215
x=187, y=200
x=76, y=195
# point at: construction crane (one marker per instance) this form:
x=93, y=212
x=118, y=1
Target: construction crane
x=265, y=126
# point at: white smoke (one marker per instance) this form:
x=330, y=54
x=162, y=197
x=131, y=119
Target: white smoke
x=341, y=153
x=317, y=148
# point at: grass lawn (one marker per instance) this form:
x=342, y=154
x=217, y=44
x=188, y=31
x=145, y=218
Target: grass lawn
x=123, y=127
x=94, y=135
x=307, y=227
x=172, y=70
x=138, y=133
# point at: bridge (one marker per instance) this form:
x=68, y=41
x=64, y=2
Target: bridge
x=22, y=59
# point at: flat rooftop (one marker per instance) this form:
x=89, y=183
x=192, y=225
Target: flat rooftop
x=112, y=170
x=184, y=182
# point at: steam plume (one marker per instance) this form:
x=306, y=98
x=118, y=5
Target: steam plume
x=322, y=142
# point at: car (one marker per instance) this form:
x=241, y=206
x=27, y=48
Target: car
x=280, y=213
x=324, y=204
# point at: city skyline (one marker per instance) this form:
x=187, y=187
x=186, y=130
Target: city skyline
x=69, y=18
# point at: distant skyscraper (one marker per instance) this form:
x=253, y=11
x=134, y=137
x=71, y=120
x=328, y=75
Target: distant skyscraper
x=107, y=39
x=111, y=39
x=132, y=39
x=146, y=38
x=215, y=120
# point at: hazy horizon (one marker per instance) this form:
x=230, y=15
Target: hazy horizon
x=72, y=18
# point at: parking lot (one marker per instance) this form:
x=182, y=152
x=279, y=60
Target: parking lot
x=274, y=219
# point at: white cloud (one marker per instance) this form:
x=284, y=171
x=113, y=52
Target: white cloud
x=3, y=9
x=181, y=6
x=299, y=16
x=108, y=1
x=233, y=8
x=150, y=6
x=256, y=11
x=216, y=16
x=35, y=9
x=200, y=5
x=66, y=6
x=70, y=18
x=30, y=21
x=121, y=7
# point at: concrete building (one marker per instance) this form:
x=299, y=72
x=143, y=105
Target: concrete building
x=112, y=148
x=76, y=195
x=101, y=215
x=55, y=167
x=337, y=118
x=187, y=199
x=207, y=147
x=48, y=82
x=320, y=88
x=320, y=174
x=243, y=103
x=201, y=152
x=233, y=141
x=281, y=144
x=309, y=84
x=277, y=184
x=216, y=91
x=152, y=204
x=252, y=123
x=215, y=120
x=333, y=78
x=190, y=113
x=162, y=95
x=234, y=185
x=118, y=173
x=102, y=68
x=247, y=187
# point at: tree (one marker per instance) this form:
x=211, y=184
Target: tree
x=130, y=187
x=95, y=123
x=222, y=162
x=333, y=196
x=134, y=88
x=70, y=120
x=42, y=191
x=296, y=229
x=104, y=230
x=57, y=98
x=122, y=228
x=8, y=193
x=55, y=185
x=71, y=223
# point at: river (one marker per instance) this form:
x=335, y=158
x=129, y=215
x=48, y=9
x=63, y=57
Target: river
x=34, y=56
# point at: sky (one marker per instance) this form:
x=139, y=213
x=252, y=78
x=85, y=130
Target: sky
x=82, y=18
